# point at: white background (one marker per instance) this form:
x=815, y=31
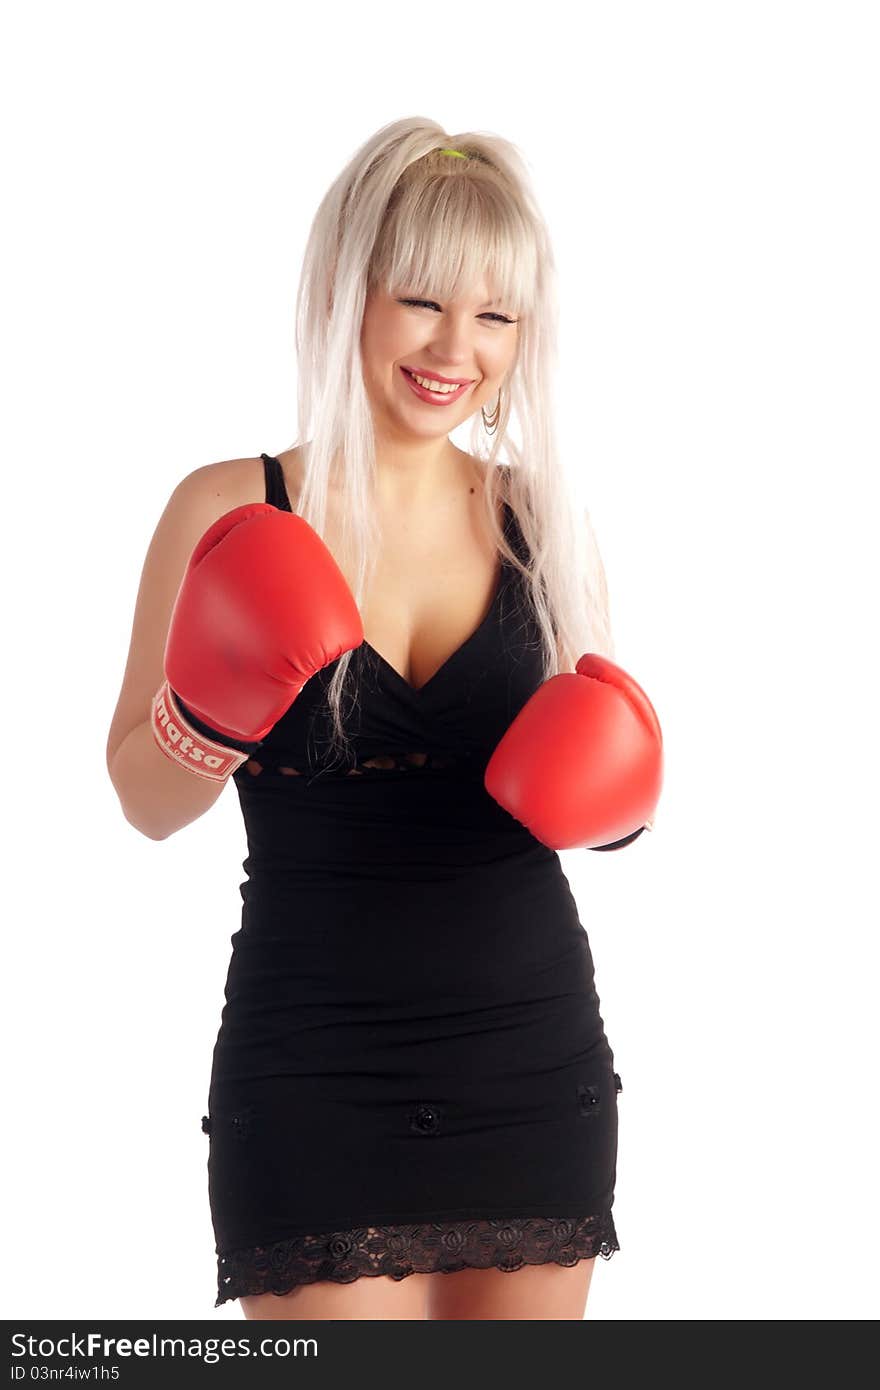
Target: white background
x=708, y=173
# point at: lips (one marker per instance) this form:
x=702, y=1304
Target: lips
x=444, y=380
x=431, y=397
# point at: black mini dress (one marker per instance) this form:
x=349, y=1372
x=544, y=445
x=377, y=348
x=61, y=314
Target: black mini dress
x=411, y=1072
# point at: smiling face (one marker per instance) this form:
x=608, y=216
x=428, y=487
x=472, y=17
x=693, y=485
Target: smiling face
x=467, y=340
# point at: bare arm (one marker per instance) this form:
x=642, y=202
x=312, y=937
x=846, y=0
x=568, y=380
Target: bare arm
x=158, y=797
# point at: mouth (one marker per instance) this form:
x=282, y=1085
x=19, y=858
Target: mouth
x=446, y=392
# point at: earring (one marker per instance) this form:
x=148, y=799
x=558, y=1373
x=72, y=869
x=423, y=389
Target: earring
x=490, y=423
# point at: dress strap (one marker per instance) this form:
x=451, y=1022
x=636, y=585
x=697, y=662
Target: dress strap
x=276, y=491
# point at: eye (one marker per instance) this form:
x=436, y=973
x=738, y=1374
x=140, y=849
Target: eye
x=430, y=304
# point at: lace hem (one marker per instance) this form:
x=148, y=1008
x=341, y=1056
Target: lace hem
x=434, y=1247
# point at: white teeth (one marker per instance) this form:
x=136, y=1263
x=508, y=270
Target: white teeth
x=437, y=387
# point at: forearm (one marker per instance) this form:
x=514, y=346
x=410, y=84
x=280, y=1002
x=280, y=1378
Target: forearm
x=157, y=795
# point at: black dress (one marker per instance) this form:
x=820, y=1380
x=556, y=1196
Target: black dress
x=411, y=1071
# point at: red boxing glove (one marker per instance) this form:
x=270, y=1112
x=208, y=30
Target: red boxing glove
x=582, y=762
x=262, y=607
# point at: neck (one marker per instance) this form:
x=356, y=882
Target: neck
x=419, y=474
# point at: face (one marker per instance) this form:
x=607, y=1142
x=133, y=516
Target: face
x=466, y=339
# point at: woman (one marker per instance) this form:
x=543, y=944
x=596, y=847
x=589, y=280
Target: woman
x=413, y=1107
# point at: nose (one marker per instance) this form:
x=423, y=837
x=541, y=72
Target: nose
x=452, y=342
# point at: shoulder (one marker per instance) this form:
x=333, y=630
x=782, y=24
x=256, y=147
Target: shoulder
x=231, y=481
x=235, y=482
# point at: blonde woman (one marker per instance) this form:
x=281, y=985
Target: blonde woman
x=413, y=1104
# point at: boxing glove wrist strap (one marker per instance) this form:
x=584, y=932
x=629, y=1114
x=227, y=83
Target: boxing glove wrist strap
x=191, y=743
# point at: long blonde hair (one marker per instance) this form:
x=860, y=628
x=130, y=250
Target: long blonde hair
x=402, y=214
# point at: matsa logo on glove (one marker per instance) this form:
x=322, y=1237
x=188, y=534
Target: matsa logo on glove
x=182, y=743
